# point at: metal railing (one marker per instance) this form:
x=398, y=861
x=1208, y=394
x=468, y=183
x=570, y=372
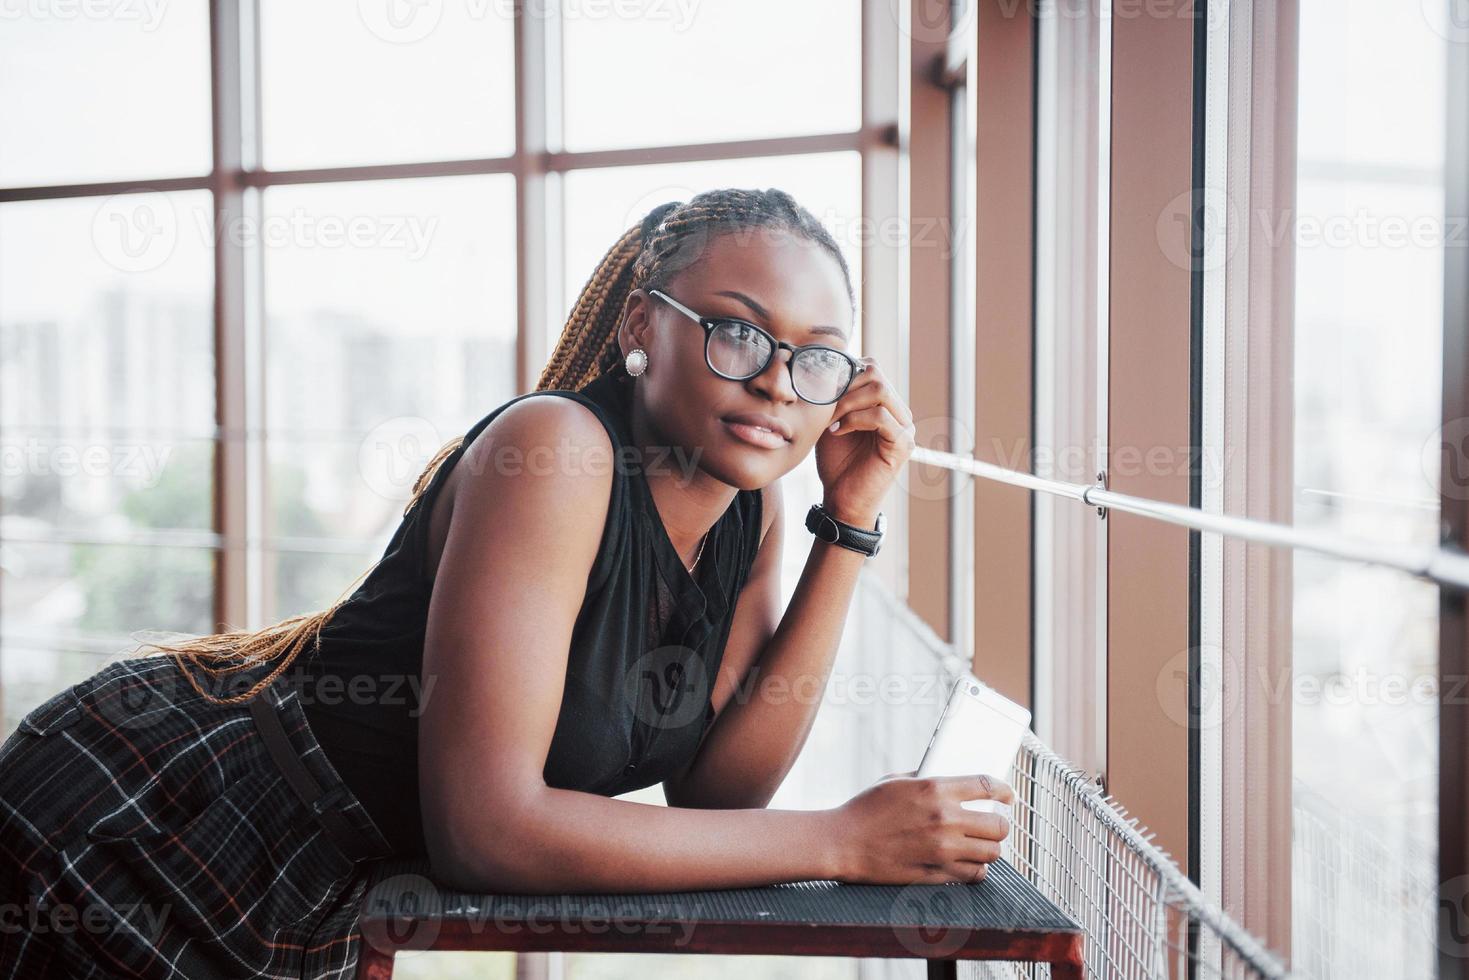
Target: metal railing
x=1142, y=917
x=1439, y=565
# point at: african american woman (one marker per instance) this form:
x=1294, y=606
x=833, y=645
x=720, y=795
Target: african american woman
x=581, y=599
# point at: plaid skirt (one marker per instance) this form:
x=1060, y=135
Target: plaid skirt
x=148, y=832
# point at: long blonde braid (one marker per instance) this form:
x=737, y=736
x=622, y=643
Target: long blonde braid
x=668, y=239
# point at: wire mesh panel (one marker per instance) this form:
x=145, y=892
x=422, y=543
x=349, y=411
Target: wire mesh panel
x=1364, y=893
x=1142, y=917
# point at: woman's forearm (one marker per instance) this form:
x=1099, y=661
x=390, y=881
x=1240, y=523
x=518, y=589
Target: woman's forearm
x=760, y=732
x=559, y=840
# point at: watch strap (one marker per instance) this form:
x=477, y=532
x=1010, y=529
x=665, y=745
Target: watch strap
x=827, y=528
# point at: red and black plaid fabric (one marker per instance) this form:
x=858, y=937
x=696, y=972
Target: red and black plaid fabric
x=146, y=832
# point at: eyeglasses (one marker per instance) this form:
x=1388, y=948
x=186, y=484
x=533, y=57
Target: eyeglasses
x=738, y=350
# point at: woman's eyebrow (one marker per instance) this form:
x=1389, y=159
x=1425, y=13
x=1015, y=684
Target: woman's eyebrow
x=763, y=313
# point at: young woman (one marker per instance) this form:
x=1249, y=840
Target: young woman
x=581, y=599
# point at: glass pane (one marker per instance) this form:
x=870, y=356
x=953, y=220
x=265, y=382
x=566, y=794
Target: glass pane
x=307, y=581
x=106, y=364
x=344, y=84
x=33, y=669
x=717, y=70
x=83, y=591
x=1369, y=235
x=111, y=91
x=53, y=480
x=384, y=340
x=346, y=490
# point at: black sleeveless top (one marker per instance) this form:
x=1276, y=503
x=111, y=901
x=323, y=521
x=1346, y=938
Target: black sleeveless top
x=645, y=647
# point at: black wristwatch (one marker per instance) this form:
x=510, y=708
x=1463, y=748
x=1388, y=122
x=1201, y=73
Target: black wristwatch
x=831, y=530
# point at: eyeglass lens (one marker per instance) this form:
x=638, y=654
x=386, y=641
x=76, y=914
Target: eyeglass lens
x=739, y=351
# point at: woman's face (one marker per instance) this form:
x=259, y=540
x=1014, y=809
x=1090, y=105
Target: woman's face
x=784, y=283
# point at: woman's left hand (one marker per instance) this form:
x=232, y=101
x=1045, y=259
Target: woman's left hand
x=873, y=440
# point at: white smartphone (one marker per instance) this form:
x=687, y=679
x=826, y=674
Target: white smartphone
x=980, y=731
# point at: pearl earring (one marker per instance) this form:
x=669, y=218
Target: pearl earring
x=636, y=361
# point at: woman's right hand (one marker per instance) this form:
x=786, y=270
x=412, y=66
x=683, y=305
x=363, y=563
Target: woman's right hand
x=906, y=829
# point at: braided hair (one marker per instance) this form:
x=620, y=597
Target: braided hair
x=670, y=238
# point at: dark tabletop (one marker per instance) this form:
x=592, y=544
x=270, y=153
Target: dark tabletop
x=1001, y=917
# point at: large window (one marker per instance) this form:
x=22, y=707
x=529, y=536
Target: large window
x=366, y=321
x=1302, y=689
x=1368, y=346
x=381, y=344
x=107, y=431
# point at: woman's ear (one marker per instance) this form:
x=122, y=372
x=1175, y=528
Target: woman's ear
x=636, y=329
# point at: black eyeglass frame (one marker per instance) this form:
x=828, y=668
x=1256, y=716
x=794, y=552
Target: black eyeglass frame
x=710, y=322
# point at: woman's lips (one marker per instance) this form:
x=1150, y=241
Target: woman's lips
x=755, y=435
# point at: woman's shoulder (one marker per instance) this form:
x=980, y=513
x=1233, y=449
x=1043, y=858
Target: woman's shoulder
x=577, y=415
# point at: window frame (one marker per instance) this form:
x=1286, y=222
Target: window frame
x=237, y=181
